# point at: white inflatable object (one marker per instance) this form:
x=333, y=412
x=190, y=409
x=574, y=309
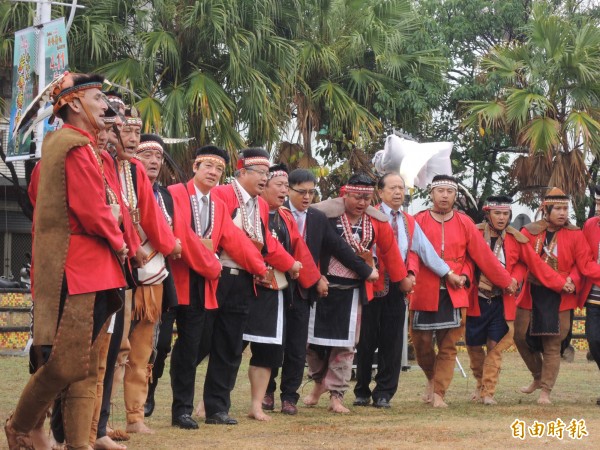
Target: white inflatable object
x=416, y=163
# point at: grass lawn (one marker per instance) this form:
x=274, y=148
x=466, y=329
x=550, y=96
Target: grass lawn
x=408, y=424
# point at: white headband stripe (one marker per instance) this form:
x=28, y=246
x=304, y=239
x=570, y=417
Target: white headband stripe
x=149, y=145
x=444, y=183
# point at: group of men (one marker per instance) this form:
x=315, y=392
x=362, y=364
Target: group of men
x=119, y=259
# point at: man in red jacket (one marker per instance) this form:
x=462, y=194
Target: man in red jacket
x=543, y=317
x=491, y=313
x=250, y=213
x=437, y=305
x=334, y=326
x=77, y=249
x=205, y=226
x=591, y=290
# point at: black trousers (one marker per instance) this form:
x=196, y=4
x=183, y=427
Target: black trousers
x=297, y=314
x=190, y=321
x=382, y=327
x=228, y=323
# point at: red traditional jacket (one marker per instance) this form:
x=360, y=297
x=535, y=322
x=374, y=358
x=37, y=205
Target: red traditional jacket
x=275, y=254
x=130, y=233
x=462, y=241
x=518, y=256
x=574, y=260
x=195, y=256
x=379, y=285
x=309, y=275
x=152, y=220
x=91, y=263
x=591, y=231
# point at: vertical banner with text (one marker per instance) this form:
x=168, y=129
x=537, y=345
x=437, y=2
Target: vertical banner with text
x=56, y=61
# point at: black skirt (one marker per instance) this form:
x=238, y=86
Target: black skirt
x=265, y=321
x=333, y=318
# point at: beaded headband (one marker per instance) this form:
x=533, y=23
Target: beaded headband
x=110, y=120
x=555, y=201
x=278, y=173
x=498, y=206
x=209, y=158
x=116, y=100
x=358, y=189
x=133, y=121
x=444, y=183
x=252, y=161
x=149, y=145
x=71, y=93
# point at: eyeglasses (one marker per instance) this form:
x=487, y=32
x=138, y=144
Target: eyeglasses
x=261, y=173
x=304, y=192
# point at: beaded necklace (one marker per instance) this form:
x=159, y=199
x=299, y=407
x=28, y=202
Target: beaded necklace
x=129, y=197
x=163, y=208
x=359, y=245
x=196, y=213
x=253, y=231
x=111, y=197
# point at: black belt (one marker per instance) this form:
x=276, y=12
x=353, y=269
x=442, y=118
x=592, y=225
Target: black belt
x=235, y=271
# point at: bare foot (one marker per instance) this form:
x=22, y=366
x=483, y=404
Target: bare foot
x=200, y=412
x=544, y=398
x=312, y=399
x=535, y=385
x=427, y=396
x=117, y=435
x=488, y=400
x=258, y=414
x=476, y=396
x=336, y=406
x=105, y=442
x=438, y=401
x=138, y=427
x=41, y=439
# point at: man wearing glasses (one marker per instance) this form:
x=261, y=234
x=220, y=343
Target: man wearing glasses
x=236, y=290
x=320, y=238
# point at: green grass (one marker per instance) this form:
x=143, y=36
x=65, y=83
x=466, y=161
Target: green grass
x=408, y=424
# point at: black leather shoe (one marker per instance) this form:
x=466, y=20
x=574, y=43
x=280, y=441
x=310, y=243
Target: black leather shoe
x=362, y=401
x=149, y=406
x=381, y=403
x=220, y=418
x=185, y=421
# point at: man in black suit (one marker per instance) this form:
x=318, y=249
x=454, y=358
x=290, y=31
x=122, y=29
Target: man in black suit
x=319, y=235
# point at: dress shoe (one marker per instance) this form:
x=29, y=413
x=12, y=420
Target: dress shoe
x=185, y=421
x=289, y=408
x=220, y=418
x=381, y=403
x=149, y=406
x=362, y=401
x=268, y=403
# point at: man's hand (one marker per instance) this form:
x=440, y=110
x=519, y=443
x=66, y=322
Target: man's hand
x=295, y=270
x=176, y=253
x=323, y=287
x=455, y=281
x=512, y=288
x=122, y=253
x=140, y=258
x=569, y=286
x=374, y=275
x=407, y=284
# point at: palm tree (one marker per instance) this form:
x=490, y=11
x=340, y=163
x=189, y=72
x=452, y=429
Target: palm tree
x=547, y=98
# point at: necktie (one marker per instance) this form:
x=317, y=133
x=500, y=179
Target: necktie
x=300, y=221
x=204, y=214
x=395, y=224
